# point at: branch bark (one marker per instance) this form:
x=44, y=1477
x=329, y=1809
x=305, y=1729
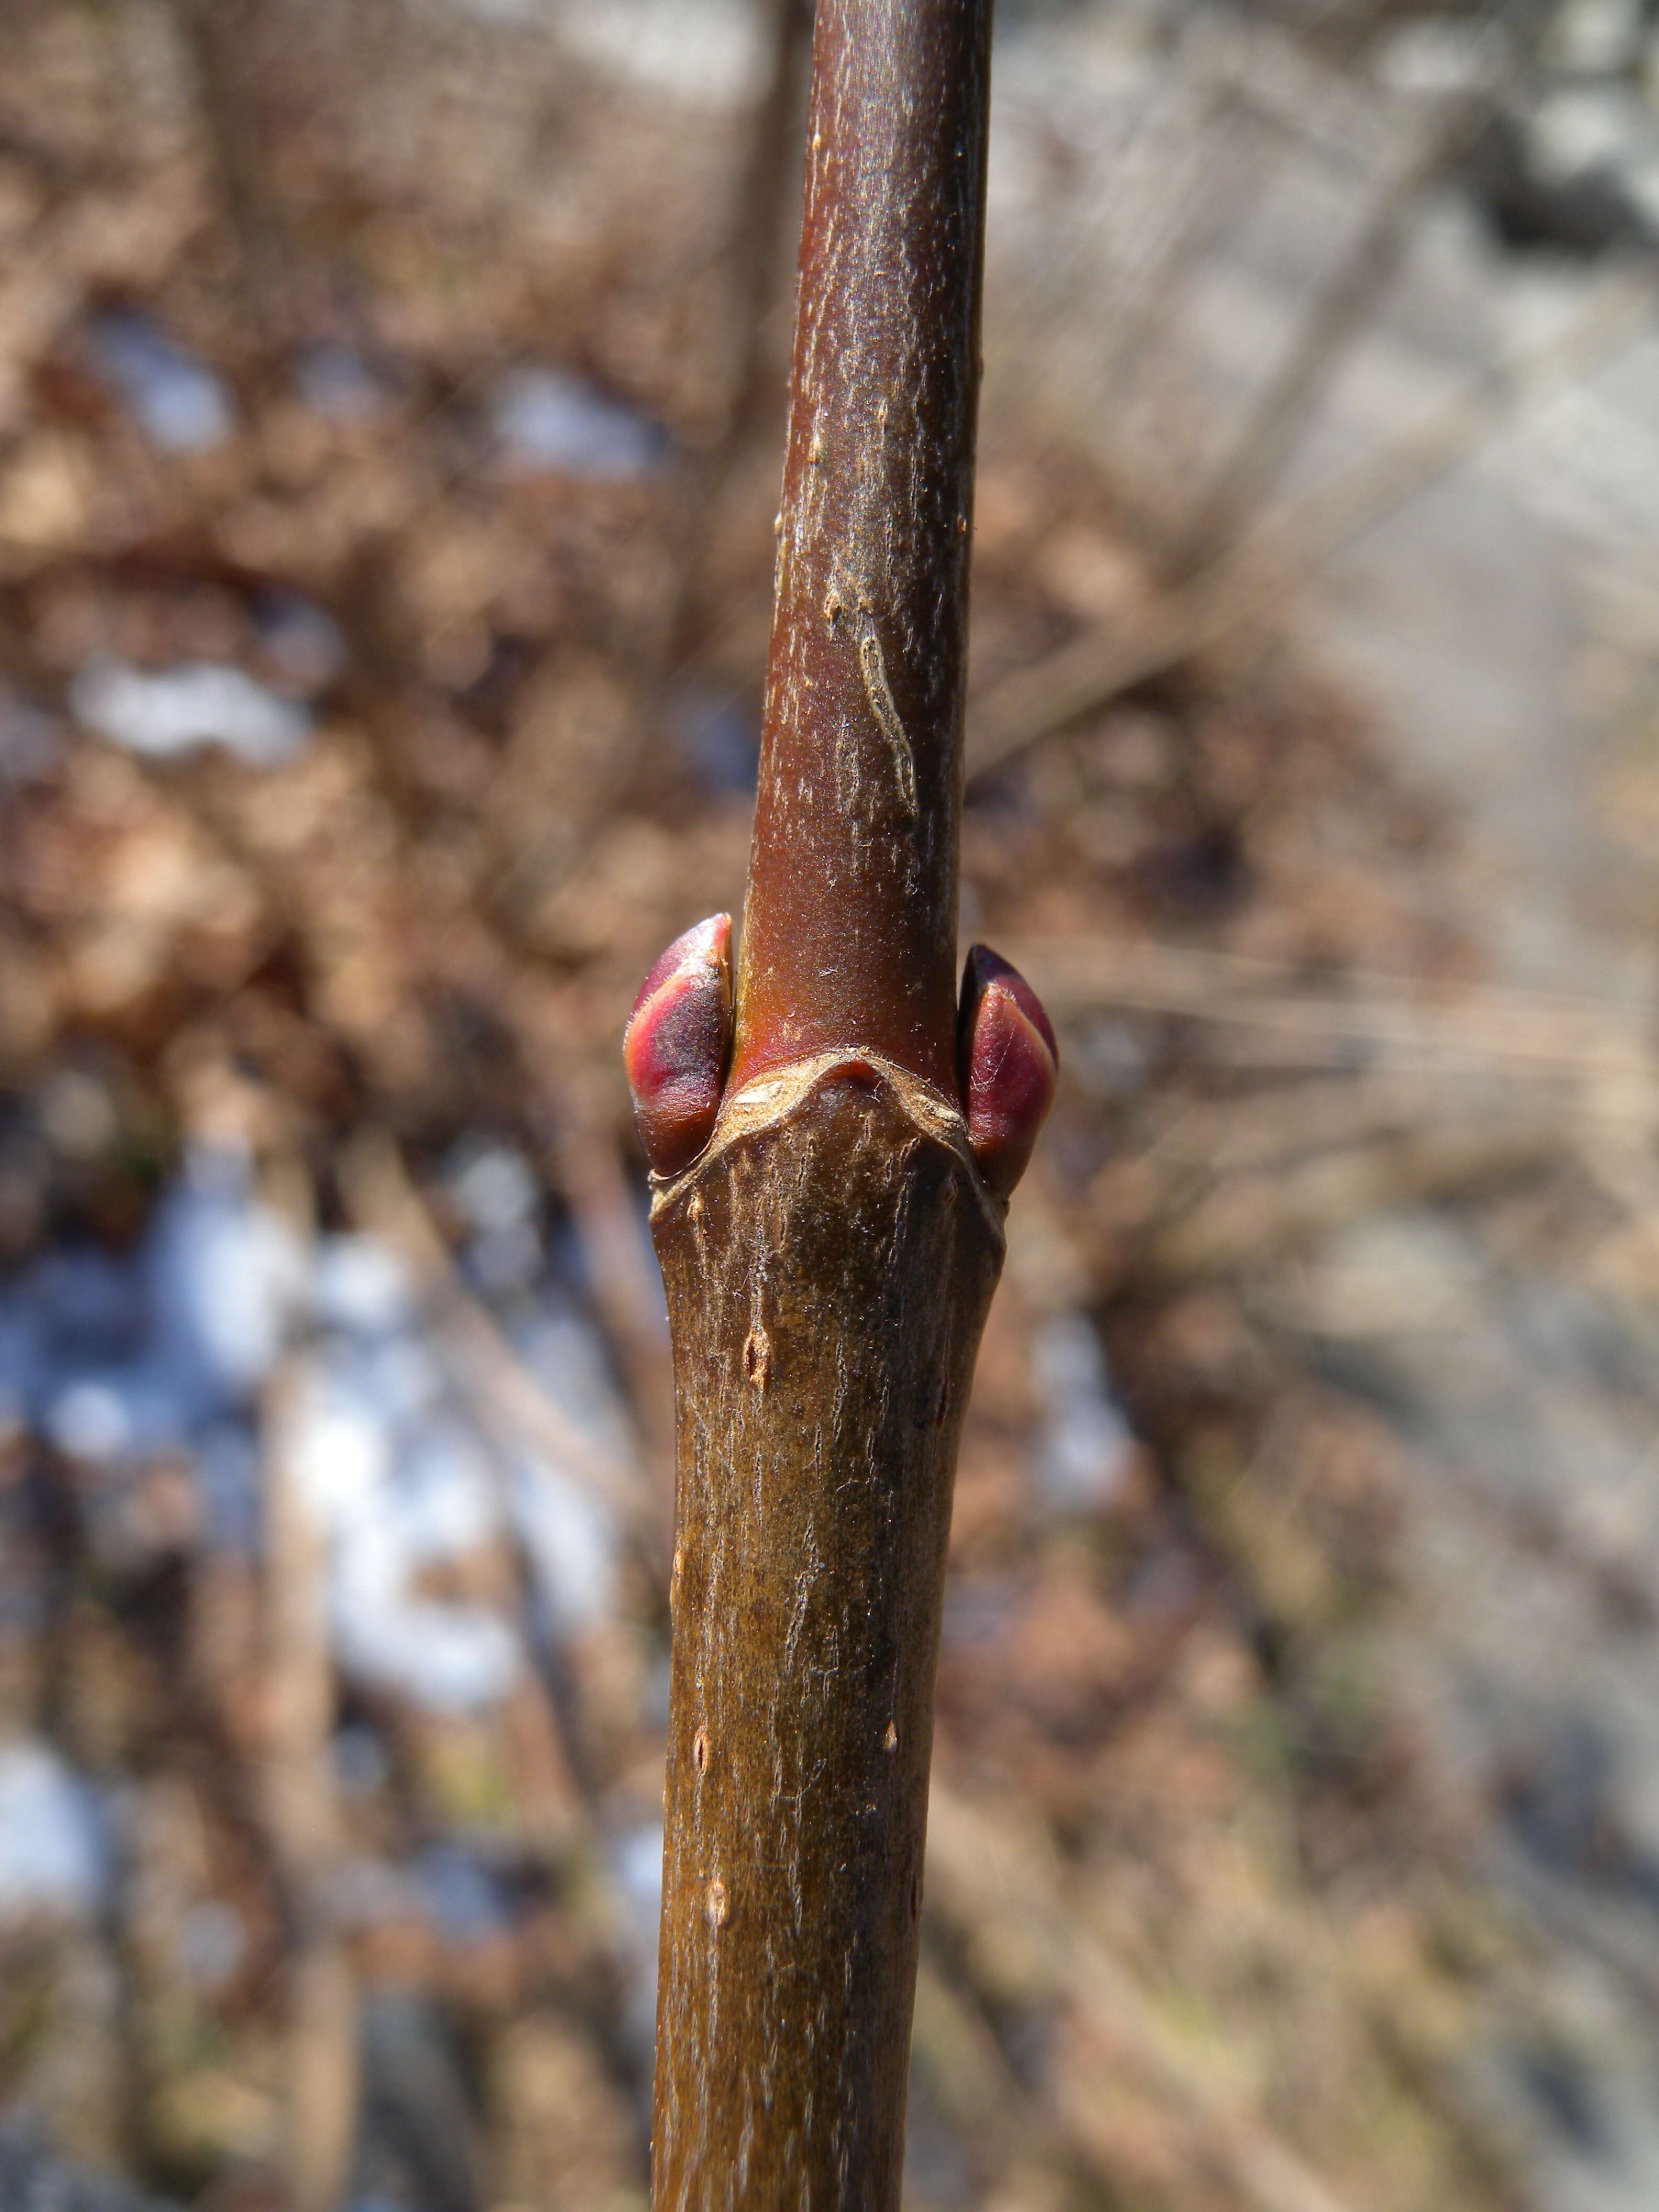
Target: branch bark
x=829, y=1215
x=850, y=921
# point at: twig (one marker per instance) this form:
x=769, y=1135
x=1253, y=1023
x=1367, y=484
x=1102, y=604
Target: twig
x=510, y=1404
x=1251, y=1221
x=1185, y=158
x=828, y=1243
x=223, y=37
x=1545, y=1034
x=1275, y=424
x=321, y=2057
x=982, y=1872
x=1021, y=709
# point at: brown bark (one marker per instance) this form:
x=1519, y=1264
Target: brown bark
x=830, y=1254
x=840, y=1252
x=850, y=928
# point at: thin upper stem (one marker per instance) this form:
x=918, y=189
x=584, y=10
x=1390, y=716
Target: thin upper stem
x=849, y=927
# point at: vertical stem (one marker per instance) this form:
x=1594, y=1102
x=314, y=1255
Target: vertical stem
x=829, y=1254
x=850, y=929
x=225, y=38
x=753, y=255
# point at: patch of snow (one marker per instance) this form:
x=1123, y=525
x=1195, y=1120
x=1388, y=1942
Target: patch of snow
x=339, y=1451
x=647, y=43
x=390, y=1505
x=495, y=1190
x=1575, y=130
x=635, y=1861
x=54, y=1843
x=164, y=714
x=360, y=1285
x=226, y=1279
x=401, y=1377
x=570, y=1541
x=547, y=421
x=565, y=1352
x=635, y=1857
x=179, y=402
x=505, y=1261
x=1083, y=1450
x=120, y=1361
x=119, y=1413
x=493, y=1186
x=444, y=1492
x=449, y=1658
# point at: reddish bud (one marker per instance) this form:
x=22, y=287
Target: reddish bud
x=675, y=1043
x=1008, y=1062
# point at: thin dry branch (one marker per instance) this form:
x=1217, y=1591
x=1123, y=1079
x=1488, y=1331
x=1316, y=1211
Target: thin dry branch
x=1538, y=1033
x=984, y=1873
x=503, y=1391
x=1023, y=708
x=1341, y=311
x=320, y=2054
x=1248, y=1222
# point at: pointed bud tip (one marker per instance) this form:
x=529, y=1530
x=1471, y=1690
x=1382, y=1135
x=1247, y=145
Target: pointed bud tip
x=1009, y=1067
x=985, y=967
x=706, y=943
x=677, y=1042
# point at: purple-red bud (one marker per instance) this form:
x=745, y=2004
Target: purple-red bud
x=677, y=1042
x=1008, y=1063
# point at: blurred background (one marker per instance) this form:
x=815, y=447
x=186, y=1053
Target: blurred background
x=391, y=407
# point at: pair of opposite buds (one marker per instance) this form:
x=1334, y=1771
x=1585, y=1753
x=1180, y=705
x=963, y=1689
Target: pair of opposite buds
x=679, y=1038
